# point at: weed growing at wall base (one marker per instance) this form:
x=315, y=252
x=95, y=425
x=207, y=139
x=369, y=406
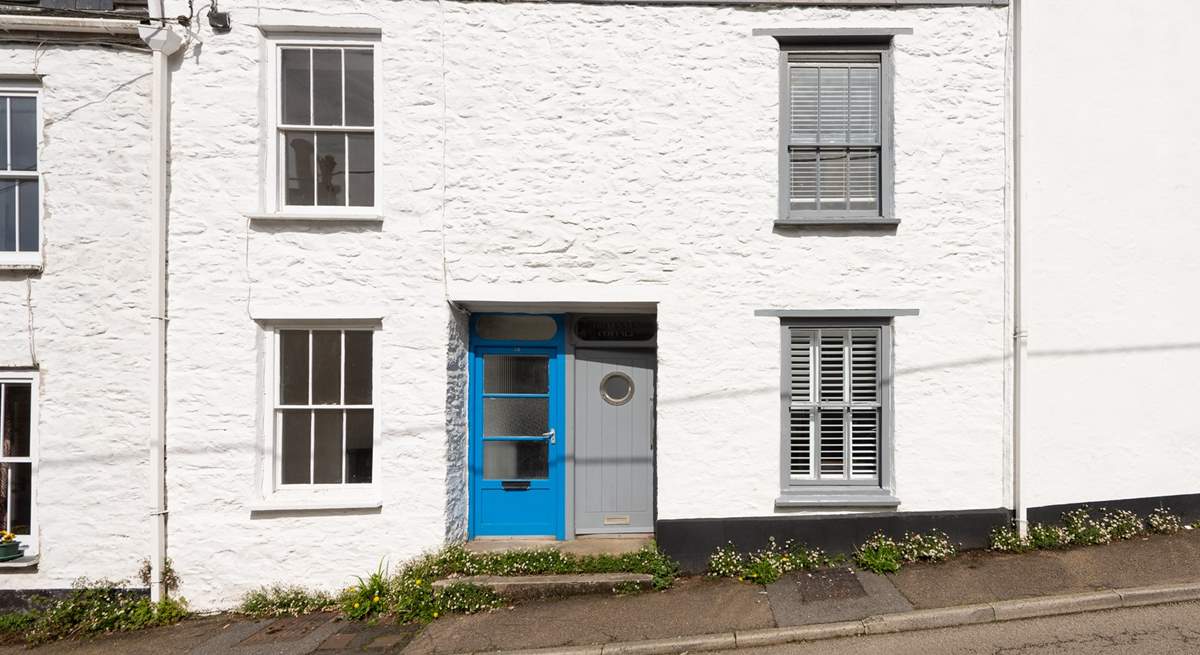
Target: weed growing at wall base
x=279, y=600
x=90, y=608
x=1084, y=527
x=410, y=597
x=768, y=564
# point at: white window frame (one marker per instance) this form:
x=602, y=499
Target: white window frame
x=350, y=495
x=31, y=540
x=31, y=258
x=274, y=188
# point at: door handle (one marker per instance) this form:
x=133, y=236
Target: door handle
x=551, y=435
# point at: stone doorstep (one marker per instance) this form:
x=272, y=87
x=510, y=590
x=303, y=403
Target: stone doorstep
x=547, y=586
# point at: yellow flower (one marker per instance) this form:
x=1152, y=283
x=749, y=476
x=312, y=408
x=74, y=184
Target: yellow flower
x=376, y=598
x=356, y=606
x=435, y=615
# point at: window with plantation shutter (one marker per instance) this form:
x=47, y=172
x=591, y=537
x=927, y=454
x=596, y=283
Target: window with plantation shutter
x=835, y=137
x=836, y=416
x=834, y=404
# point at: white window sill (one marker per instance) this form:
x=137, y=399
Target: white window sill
x=21, y=563
x=272, y=505
x=325, y=217
x=33, y=264
x=832, y=498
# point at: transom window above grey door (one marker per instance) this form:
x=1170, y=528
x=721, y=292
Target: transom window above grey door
x=326, y=125
x=835, y=151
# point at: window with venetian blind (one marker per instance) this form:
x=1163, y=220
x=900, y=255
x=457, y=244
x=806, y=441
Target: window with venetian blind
x=835, y=136
x=834, y=407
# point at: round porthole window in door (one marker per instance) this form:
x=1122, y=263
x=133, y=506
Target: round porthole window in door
x=616, y=388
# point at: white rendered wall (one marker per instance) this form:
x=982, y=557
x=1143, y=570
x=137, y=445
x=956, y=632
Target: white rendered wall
x=88, y=309
x=585, y=145
x=1112, y=185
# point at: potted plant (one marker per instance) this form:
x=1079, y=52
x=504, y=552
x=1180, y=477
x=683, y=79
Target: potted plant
x=10, y=548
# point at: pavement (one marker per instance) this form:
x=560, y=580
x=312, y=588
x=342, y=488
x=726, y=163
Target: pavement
x=1162, y=630
x=709, y=614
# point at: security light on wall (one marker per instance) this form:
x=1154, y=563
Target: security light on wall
x=218, y=20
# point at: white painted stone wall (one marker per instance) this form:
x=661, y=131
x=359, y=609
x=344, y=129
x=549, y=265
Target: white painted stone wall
x=88, y=308
x=1111, y=157
x=597, y=145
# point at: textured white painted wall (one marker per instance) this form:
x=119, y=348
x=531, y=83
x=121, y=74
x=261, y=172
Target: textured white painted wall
x=587, y=145
x=89, y=310
x=1111, y=157
x=604, y=146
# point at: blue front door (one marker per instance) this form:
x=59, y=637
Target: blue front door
x=516, y=461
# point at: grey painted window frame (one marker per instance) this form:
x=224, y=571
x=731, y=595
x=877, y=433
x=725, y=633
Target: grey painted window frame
x=848, y=493
x=886, y=215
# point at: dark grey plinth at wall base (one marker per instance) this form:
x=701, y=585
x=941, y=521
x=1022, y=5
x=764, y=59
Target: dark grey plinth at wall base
x=692, y=541
x=1186, y=506
x=19, y=600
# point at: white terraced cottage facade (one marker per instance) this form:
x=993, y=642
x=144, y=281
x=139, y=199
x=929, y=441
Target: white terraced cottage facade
x=290, y=291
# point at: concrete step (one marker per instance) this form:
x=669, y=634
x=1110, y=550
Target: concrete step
x=522, y=587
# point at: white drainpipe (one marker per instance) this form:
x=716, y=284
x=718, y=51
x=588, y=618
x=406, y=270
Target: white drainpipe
x=1020, y=333
x=163, y=42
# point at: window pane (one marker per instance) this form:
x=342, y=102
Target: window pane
x=803, y=89
x=331, y=168
x=508, y=460
x=27, y=216
x=298, y=164
x=8, y=215
x=864, y=105
x=294, y=77
x=327, y=87
x=804, y=179
x=327, y=458
x=832, y=176
x=862, y=179
x=515, y=417
x=832, y=461
x=16, y=491
x=327, y=367
x=295, y=443
x=360, y=91
x=293, y=367
x=16, y=420
x=510, y=374
x=24, y=134
x=3, y=133
x=360, y=426
x=834, y=104
x=362, y=169
x=358, y=367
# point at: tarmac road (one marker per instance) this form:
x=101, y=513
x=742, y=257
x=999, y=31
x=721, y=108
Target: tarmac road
x=1157, y=630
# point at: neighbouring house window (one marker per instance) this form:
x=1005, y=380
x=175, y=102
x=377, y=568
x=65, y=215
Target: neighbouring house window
x=17, y=440
x=836, y=136
x=837, y=407
x=20, y=236
x=324, y=411
x=326, y=125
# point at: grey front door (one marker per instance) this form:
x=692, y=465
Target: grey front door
x=614, y=441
